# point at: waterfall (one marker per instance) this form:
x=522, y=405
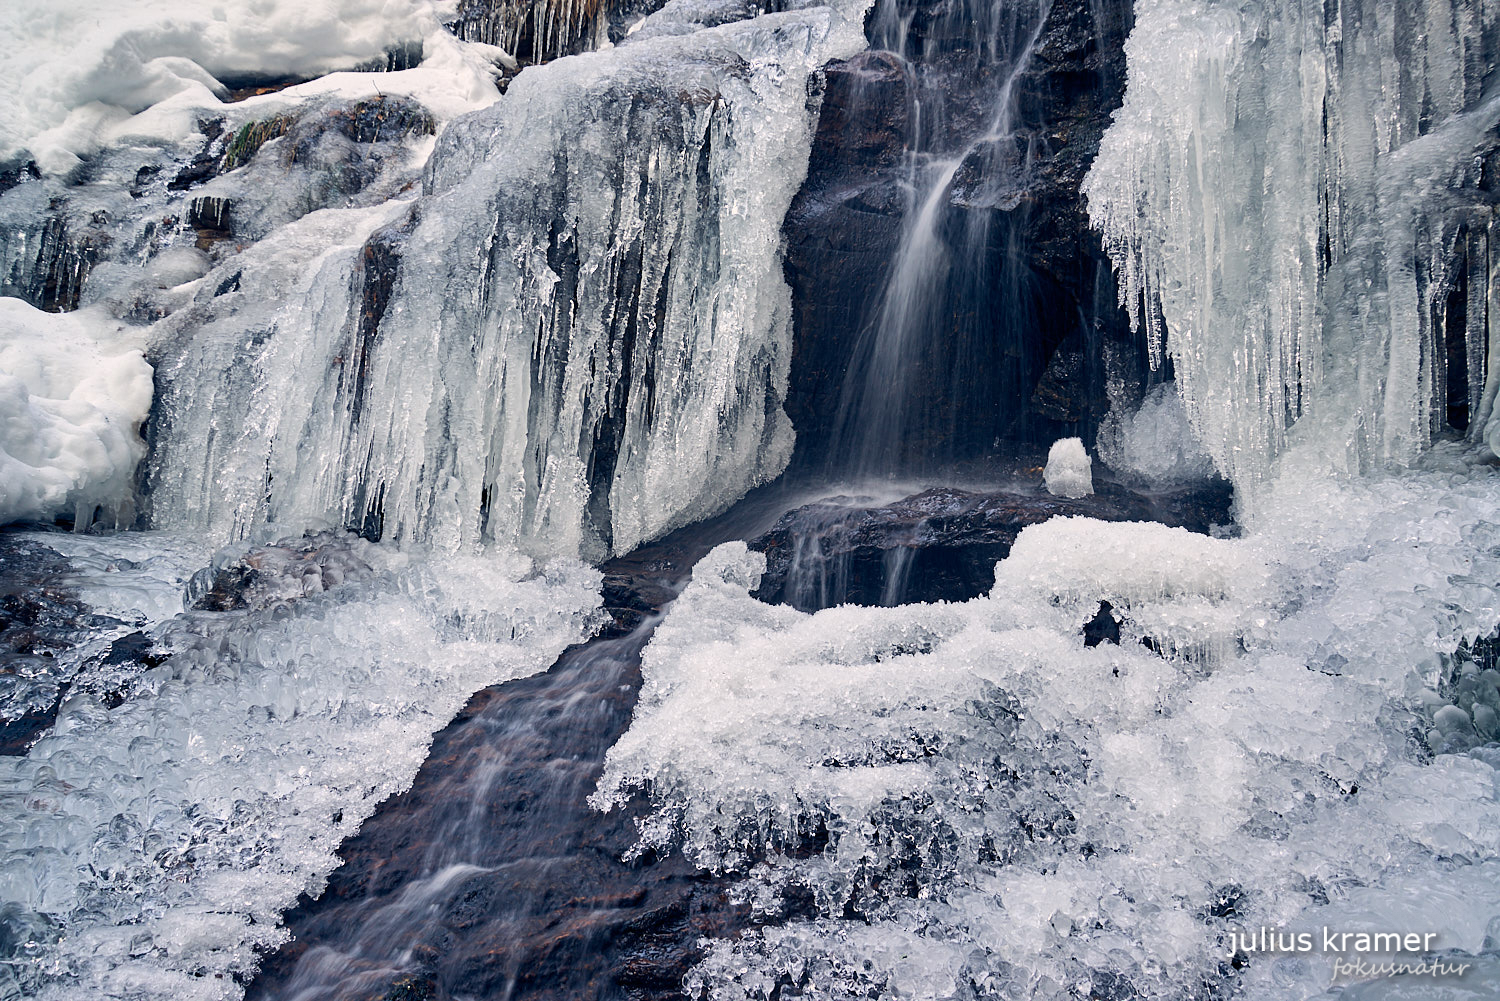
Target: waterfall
x=883, y=424
x=1296, y=197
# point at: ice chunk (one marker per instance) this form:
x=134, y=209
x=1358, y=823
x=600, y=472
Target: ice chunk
x=1292, y=225
x=72, y=399
x=615, y=362
x=1155, y=444
x=1069, y=471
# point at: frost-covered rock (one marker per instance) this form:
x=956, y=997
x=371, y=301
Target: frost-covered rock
x=1069, y=471
x=82, y=78
x=973, y=802
x=73, y=394
x=587, y=340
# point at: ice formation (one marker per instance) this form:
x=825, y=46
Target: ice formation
x=1154, y=444
x=974, y=803
x=149, y=843
x=1069, y=471
x=81, y=77
x=73, y=395
x=1292, y=193
x=588, y=339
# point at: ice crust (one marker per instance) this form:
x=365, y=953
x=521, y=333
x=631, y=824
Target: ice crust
x=82, y=77
x=73, y=394
x=1069, y=471
x=1010, y=813
x=1291, y=192
x=148, y=850
x=589, y=338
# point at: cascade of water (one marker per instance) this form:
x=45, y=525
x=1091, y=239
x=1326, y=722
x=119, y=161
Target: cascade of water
x=881, y=428
x=539, y=743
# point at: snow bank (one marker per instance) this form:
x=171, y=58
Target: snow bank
x=1005, y=811
x=81, y=76
x=73, y=394
x=1069, y=471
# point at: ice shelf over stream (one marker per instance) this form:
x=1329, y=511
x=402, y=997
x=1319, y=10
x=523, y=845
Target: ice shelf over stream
x=151, y=840
x=966, y=801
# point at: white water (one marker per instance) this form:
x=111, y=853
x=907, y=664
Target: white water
x=874, y=420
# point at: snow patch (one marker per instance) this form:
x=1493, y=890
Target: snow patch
x=1069, y=471
x=73, y=394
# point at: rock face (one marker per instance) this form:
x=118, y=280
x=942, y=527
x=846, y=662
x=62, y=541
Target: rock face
x=1034, y=329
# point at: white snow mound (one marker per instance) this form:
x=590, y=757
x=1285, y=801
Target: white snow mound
x=70, y=412
x=1070, y=471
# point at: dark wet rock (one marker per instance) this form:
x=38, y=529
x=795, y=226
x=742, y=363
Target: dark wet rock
x=551, y=910
x=39, y=620
x=268, y=575
x=548, y=909
x=941, y=544
x=1041, y=282
x=1104, y=627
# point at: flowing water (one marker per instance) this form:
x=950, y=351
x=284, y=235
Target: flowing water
x=925, y=330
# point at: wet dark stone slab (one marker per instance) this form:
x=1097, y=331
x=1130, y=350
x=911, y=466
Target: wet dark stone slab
x=942, y=543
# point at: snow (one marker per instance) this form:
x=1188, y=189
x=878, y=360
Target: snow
x=82, y=77
x=1069, y=471
x=149, y=844
x=1011, y=813
x=73, y=395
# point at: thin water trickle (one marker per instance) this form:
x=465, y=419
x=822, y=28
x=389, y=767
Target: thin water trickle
x=517, y=753
x=900, y=351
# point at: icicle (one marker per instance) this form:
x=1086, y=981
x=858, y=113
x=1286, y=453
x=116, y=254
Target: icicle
x=1281, y=193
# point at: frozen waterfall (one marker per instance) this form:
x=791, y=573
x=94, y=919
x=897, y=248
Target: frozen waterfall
x=588, y=336
x=1297, y=198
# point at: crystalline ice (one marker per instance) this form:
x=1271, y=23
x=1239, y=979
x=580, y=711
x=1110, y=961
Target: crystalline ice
x=1153, y=445
x=1284, y=192
x=1069, y=471
x=1009, y=812
x=587, y=343
x=148, y=849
